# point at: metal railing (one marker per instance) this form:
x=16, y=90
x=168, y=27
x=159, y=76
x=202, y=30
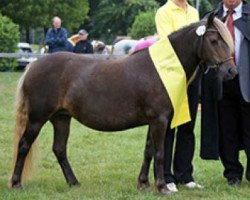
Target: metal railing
x=19, y=55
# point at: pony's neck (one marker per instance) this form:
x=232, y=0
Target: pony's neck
x=186, y=46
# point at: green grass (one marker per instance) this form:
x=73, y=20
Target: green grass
x=106, y=164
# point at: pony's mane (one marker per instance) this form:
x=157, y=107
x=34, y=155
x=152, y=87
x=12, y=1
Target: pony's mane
x=186, y=28
x=220, y=26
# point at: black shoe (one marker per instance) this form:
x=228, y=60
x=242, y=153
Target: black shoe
x=233, y=182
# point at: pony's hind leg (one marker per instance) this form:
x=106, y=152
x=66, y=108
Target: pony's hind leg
x=142, y=181
x=61, y=124
x=24, y=145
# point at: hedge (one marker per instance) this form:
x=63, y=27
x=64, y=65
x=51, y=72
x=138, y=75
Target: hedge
x=144, y=25
x=9, y=37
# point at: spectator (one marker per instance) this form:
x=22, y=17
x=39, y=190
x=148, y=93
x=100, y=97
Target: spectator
x=234, y=106
x=123, y=47
x=172, y=16
x=83, y=45
x=56, y=37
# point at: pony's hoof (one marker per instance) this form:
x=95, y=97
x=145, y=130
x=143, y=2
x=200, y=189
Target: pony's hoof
x=163, y=190
x=143, y=186
x=73, y=184
x=17, y=186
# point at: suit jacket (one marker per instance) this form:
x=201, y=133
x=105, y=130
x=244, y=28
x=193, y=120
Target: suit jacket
x=211, y=90
x=243, y=24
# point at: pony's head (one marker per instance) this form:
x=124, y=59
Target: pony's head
x=98, y=46
x=216, y=47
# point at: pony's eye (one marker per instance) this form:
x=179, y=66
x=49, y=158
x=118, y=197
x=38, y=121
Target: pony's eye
x=214, y=42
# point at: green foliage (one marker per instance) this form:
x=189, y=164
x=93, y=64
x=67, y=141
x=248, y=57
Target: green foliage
x=161, y=2
x=214, y=2
x=192, y=2
x=144, y=25
x=38, y=13
x=26, y=13
x=72, y=13
x=104, y=19
x=115, y=17
x=9, y=37
x=205, y=6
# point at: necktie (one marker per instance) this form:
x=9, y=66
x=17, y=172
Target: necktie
x=230, y=26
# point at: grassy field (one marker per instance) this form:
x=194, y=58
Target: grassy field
x=107, y=164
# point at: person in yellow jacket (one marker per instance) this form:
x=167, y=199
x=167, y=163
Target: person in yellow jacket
x=172, y=16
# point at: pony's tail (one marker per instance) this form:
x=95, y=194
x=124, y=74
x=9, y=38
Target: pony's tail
x=20, y=127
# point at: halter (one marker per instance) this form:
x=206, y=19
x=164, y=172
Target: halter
x=217, y=64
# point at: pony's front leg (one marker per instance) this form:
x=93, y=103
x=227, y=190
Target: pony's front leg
x=158, y=131
x=142, y=182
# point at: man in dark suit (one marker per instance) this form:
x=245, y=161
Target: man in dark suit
x=234, y=104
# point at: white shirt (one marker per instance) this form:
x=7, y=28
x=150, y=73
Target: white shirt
x=122, y=47
x=238, y=36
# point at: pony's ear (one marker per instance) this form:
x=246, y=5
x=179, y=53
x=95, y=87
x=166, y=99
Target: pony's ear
x=210, y=19
x=224, y=19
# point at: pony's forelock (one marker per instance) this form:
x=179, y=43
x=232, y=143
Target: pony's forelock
x=224, y=32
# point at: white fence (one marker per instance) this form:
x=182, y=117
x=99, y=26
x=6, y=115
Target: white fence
x=22, y=59
x=38, y=55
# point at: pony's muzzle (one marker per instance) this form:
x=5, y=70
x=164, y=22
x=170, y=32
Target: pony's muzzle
x=232, y=72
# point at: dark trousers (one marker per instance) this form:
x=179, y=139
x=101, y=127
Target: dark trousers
x=234, y=121
x=185, y=142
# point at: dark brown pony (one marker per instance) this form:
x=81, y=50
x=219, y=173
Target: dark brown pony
x=109, y=95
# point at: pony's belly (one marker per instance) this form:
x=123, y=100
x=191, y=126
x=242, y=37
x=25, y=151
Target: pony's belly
x=109, y=114
x=118, y=124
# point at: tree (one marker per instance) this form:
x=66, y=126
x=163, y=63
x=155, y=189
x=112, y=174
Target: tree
x=38, y=13
x=72, y=13
x=88, y=23
x=114, y=17
x=144, y=25
x=205, y=6
x=26, y=13
x=9, y=37
x=214, y=2
x=161, y=2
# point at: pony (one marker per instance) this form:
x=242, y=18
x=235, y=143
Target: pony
x=99, y=47
x=110, y=95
